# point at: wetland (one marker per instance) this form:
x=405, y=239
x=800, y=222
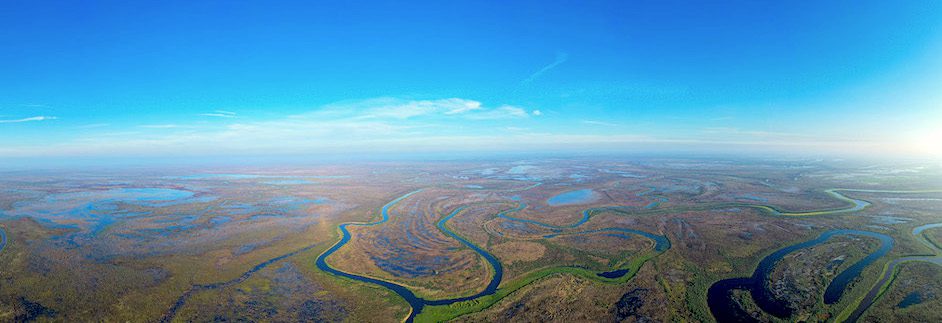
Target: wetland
x=714, y=240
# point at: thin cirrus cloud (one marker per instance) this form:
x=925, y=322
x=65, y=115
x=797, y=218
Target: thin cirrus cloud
x=404, y=109
x=164, y=126
x=220, y=114
x=395, y=125
x=354, y=126
x=599, y=123
x=560, y=58
x=504, y=112
x=758, y=134
x=401, y=109
x=36, y=118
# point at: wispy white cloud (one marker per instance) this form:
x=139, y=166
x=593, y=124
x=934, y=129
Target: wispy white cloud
x=599, y=123
x=502, y=112
x=427, y=110
x=220, y=114
x=343, y=126
x=560, y=58
x=397, y=125
x=736, y=132
x=217, y=115
x=164, y=126
x=36, y=118
x=463, y=106
x=394, y=108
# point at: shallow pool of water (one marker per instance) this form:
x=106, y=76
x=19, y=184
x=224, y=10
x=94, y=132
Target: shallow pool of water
x=290, y=182
x=573, y=197
x=910, y=300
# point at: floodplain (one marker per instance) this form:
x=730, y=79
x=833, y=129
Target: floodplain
x=554, y=239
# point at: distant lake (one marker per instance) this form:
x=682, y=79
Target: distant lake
x=253, y=176
x=573, y=197
x=290, y=182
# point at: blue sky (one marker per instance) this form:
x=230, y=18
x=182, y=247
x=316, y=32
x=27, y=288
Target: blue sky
x=125, y=79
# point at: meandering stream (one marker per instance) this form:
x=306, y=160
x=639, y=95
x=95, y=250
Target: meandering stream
x=718, y=295
x=890, y=271
x=3, y=239
x=417, y=303
x=725, y=309
x=172, y=312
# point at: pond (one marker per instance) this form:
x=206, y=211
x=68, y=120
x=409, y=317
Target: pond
x=573, y=197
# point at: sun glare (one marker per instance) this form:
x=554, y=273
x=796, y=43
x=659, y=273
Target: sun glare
x=927, y=142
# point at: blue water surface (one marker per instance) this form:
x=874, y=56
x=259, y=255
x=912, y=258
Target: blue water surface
x=573, y=197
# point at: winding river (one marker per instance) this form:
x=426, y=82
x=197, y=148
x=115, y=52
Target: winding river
x=586, y=214
x=661, y=244
x=495, y=264
x=417, y=303
x=889, y=272
x=172, y=312
x=3, y=239
x=725, y=309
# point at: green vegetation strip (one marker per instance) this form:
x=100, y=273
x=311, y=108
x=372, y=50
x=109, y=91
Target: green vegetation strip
x=448, y=312
x=892, y=270
x=440, y=313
